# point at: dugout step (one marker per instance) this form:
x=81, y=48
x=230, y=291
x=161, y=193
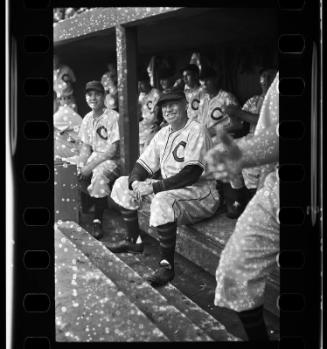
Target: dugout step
x=89, y=306
x=203, y=242
x=176, y=323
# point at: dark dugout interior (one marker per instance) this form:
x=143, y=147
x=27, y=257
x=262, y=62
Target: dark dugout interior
x=236, y=41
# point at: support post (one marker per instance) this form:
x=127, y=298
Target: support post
x=126, y=48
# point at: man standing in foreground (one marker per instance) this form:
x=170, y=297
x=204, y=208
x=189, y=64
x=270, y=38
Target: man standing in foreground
x=250, y=253
x=183, y=196
x=99, y=155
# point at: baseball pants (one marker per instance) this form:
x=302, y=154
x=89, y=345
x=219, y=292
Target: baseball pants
x=102, y=175
x=184, y=206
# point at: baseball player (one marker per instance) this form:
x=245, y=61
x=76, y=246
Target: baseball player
x=250, y=253
x=183, y=196
x=65, y=95
x=166, y=79
x=62, y=73
x=212, y=107
x=192, y=89
x=148, y=98
x=243, y=188
x=109, y=82
x=99, y=155
x=66, y=127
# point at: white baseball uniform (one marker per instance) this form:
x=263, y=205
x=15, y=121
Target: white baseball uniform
x=193, y=97
x=66, y=127
x=100, y=133
x=212, y=111
x=171, y=151
x=250, y=253
x=148, y=103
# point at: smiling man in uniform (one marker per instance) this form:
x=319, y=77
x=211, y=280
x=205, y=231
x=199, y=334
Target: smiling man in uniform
x=99, y=155
x=183, y=195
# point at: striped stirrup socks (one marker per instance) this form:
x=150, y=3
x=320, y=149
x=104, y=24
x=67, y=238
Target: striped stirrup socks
x=100, y=205
x=131, y=220
x=167, y=239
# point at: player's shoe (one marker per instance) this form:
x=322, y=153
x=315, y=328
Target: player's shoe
x=125, y=246
x=161, y=276
x=236, y=201
x=96, y=230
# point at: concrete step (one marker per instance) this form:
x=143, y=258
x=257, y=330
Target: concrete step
x=203, y=242
x=174, y=321
x=89, y=306
x=183, y=303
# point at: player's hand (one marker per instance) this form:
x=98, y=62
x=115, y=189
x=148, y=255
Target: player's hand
x=145, y=188
x=135, y=185
x=225, y=165
x=84, y=173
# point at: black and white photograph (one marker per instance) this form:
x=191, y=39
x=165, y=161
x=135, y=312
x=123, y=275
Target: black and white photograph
x=166, y=186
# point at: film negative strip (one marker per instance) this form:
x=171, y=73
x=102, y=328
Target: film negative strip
x=59, y=286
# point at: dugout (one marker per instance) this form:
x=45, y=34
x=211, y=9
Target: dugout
x=237, y=41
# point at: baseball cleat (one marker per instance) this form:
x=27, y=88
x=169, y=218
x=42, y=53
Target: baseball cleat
x=125, y=246
x=161, y=276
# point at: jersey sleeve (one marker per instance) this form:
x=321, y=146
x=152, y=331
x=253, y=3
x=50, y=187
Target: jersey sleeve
x=247, y=106
x=150, y=158
x=85, y=132
x=198, y=143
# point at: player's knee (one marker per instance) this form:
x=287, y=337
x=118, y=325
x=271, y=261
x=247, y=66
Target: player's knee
x=120, y=185
x=160, y=204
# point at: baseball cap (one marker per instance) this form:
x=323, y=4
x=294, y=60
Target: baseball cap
x=94, y=85
x=191, y=67
x=172, y=95
x=207, y=72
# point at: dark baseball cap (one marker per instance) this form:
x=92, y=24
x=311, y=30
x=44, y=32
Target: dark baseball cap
x=95, y=86
x=172, y=95
x=191, y=67
x=208, y=72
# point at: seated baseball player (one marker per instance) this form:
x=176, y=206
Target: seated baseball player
x=212, y=108
x=244, y=187
x=148, y=98
x=192, y=89
x=99, y=155
x=184, y=195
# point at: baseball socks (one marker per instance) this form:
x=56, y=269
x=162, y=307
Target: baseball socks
x=132, y=242
x=100, y=205
x=167, y=239
x=254, y=324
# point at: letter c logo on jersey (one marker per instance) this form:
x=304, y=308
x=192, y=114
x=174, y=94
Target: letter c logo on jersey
x=149, y=105
x=195, y=104
x=102, y=132
x=217, y=114
x=177, y=152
